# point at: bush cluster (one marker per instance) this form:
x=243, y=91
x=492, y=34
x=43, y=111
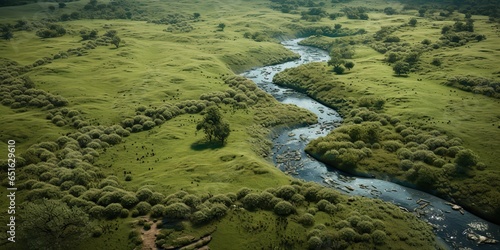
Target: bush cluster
x=477, y=85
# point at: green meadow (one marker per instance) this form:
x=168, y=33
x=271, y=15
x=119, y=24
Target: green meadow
x=110, y=131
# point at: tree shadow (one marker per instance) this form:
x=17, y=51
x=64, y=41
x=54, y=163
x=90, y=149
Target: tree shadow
x=203, y=145
x=401, y=76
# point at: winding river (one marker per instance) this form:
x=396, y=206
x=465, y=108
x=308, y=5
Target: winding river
x=452, y=226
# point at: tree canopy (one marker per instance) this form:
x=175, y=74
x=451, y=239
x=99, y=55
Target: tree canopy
x=401, y=68
x=51, y=224
x=214, y=126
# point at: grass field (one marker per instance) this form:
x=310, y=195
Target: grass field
x=152, y=67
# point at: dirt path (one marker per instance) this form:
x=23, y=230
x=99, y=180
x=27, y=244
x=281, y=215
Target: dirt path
x=149, y=237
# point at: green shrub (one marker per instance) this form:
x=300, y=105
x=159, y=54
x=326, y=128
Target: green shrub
x=314, y=243
x=177, y=211
x=157, y=210
x=200, y=217
x=379, y=237
x=348, y=234
x=242, y=192
x=218, y=210
x=144, y=194
x=124, y=213
x=365, y=227
x=306, y=219
x=129, y=200
x=251, y=201
x=143, y=208
x=286, y=192
x=96, y=212
x=330, y=195
x=392, y=145
x=220, y=198
x=465, y=159
x=284, y=208
x=191, y=200
x=156, y=198
x=113, y=210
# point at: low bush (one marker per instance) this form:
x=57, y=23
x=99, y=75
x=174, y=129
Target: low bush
x=284, y=208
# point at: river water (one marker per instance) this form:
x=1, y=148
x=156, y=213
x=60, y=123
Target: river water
x=450, y=225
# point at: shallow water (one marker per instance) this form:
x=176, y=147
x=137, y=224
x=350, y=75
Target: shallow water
x=288, y=154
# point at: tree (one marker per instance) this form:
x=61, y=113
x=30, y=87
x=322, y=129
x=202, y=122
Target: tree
x=412, y=22
x=214, y=126
x=7, y=35
x=62, y=5
x=51, y=224
x=116, y=41
x=349, y=65
x=221, y=26
x=335, y=61
x=390, y=11
x=401, y=68
x=52, y=8
x=339, y=69
x=337, y=26
x=196, y=15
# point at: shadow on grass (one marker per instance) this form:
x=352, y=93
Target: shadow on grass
x=401, y=76
x=203, y=145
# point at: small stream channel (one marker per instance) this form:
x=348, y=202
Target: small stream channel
x=288, y=154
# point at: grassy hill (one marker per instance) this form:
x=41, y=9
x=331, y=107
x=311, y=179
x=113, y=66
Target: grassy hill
x=110, y=130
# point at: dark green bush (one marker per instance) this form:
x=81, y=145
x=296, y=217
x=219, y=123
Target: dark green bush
x=306, y=219
x=113, y=210
x=143, y=208
x=284, y=208
x=157, y=210
x=177, y=211
x=144, y=194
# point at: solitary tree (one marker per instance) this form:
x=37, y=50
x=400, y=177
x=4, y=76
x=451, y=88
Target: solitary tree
x=413, y=22
x=51, y=224
x=196, y=15
x=401, y=68
x=116, y=41
x=339, y=69
x=221, y=26
x=214, y=126
x=349, y=65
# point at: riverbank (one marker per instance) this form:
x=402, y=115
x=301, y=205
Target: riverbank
x=370, y=141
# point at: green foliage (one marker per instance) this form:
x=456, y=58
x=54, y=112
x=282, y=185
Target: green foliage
x=177, y=211
x=413, y=22
x=349, y=65
x=465, y=159
x=112, y=210
x=51, y=224
x=214, y=126
x=51, y=30
x=143, y=208
x=390, y=11
x=338, y=69
x=306, y=219
x=401, y=68
x=116, y=40
x=221, y=26
x=157, y=210
x=284, y=208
